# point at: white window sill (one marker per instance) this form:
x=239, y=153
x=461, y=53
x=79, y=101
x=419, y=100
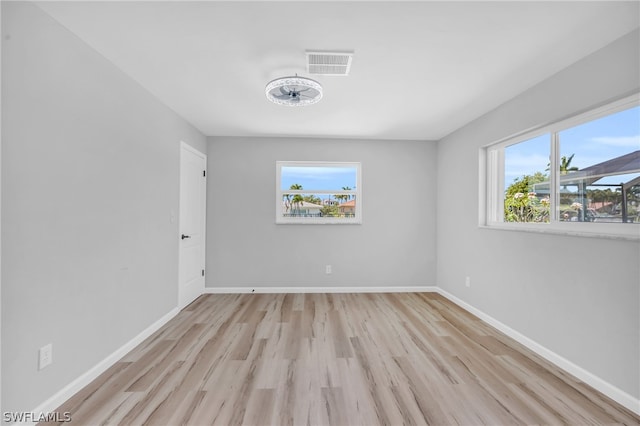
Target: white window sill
x=318, y=222
x=627, y=232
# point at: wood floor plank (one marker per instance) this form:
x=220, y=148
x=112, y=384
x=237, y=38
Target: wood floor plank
x=286, y=395
x=286, y=308
x=119, y=411
x=259, y=408
x=156, y=397
x=335, y=359
x=428, y=399
x=209, y=411
x=340, y=340
x=248, y=338
x=180, y=346
x=375, y=388
x=308, y=317
x=333, y=408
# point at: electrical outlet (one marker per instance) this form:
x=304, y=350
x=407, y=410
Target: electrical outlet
x=328, y=269
x=467, y=281
x=45, y=356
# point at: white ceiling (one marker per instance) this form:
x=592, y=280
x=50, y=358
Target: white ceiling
x=420, y=70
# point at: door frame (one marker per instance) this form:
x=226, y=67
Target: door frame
x=186, y=147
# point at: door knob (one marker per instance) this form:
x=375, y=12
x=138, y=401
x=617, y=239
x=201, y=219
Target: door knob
x=185, y=236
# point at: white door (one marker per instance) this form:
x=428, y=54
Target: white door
x=191, y=236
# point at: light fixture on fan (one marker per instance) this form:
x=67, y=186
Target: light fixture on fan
x=293, y=91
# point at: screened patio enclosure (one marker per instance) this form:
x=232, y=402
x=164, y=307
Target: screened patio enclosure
x=605, y=192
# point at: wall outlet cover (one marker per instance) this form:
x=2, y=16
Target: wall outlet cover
x=45, y=356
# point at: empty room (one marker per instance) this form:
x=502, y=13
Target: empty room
x=320, y=212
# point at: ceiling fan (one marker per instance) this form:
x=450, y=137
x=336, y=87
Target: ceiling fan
x=294, y=91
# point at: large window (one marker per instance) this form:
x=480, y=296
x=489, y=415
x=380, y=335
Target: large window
x=579, y=175
x=318, y=192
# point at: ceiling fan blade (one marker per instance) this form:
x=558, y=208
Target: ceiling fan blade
x=285, y=90
x=285, y=96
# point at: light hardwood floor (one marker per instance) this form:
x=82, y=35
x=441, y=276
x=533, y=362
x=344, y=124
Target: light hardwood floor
x=335, y=359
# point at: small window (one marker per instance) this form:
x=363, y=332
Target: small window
x=318, y=192
x=580, y=175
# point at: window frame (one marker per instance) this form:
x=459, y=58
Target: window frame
x=491, y=214
x=356, y=192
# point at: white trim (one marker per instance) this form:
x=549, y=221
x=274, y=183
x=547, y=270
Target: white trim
x=193, y=150
x=618, y=395
x=491, y=190
x=368, y=289
x=577, y=231
x=554, y=187
x=72, y=388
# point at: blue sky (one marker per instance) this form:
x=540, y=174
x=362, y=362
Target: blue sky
x=313, y=178
x=592, y=143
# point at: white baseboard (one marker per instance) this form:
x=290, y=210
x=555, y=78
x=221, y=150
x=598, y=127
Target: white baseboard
x=580, y=373
x=369, y=289
x=72, y=388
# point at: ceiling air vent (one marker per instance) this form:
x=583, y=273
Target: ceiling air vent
x=329, y=63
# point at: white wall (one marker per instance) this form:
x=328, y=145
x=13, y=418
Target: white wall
x=394, y=246
x=90, y=175
x=577, y=296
